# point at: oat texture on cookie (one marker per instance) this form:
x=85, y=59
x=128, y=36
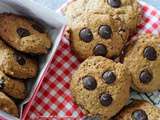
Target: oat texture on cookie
x=16, y=64
x=126, y=10
x=143, y=61
x=139, y=110
x=97, y=35
x=24, y=34
x=98, y=87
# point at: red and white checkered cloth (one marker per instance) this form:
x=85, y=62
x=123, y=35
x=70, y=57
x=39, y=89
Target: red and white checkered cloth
x=53, y=100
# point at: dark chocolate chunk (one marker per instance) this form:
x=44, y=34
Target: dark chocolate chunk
x=22, y=32
x=105, y=31
x=89, y=83
x=100, y=50
x=86, y=35
x=150, y=53
x=106, y=99
x=114, y=3
x=20, y=58
x=109, y=77
x=145, y=77
x=139, y=115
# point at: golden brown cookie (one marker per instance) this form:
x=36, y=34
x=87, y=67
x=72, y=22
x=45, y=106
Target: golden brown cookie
x=127, y=10
x=143, y=61
x=7, y=105
x=98, y=87
x=23, y=34
x=16, y=64
x=12, y=87
x=139, y=110
x=97, y=35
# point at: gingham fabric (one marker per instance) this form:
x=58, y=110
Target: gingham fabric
x=54, y=100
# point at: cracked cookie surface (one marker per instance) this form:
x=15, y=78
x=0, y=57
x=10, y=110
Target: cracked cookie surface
x=23, y=34
x=97, y=35
x=143, y=61
x=127, y=10
x=98, y=87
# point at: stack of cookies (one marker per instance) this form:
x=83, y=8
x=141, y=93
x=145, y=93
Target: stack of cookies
x=22, y=40
x=99, y=32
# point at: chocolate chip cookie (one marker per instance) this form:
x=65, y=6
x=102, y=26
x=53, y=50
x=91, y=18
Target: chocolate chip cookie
x=143, y=61
x=7, y=105
x=97, y=35
x=126, y=10
x=16, y=64
x=139, y=110
x=12, y=87
x=98, y=87
x=24, y=34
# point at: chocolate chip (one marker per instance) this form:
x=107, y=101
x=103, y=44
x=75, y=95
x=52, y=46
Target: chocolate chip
x=150, y=53
x=114, y=3
x=109, y=77
x=21, y=59
x=145, y=77
x=1, y=84
x=139, y=115
x=22, y=32
x=86, y=35
x=38, y=27
x=105, y=31
x=100, y=50
x=89, y=83
x=106, y=99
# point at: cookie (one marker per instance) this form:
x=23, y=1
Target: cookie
x=143, y=61
x=24, y=34
x=16, y=64
x=127, y=10
x=139, y=110
x=97, y=35
x=12, y=87
x=98, y=87
x=7, y=105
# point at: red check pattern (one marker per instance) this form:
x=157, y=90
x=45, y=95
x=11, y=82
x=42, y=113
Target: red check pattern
x=53, y=100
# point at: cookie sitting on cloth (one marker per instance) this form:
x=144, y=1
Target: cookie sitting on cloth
x=99, y=27
x=96, y=35
x=98, y=87
x=143, y=61
x=59, y=97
